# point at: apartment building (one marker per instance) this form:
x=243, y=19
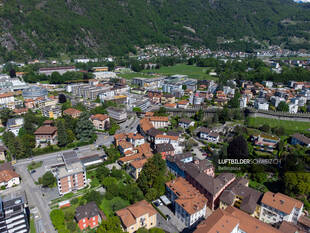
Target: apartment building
x=100, y=121
x=239, y=195
x=7, y=100
x=118, y=114
x=300, y=139
x=211, y=187
x=159, y=121
x=135, y=167
x=13, y=213
x=189, y=205
x=138, y=215
x=14, y=125
x=232, y=220
x=208, y=134
x=179, y=163
x=277, y=207
x=136, y=139
x=8, y=177
x=52, y=112
x=72, y=175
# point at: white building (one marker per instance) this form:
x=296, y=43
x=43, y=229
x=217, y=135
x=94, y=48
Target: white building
x=261, y=104
x=190, y=205
x=209, y=135
x=293, y=108
x=268, y=84
x=243, y=102
x=14, y=125
x=159, y=121
x=277, y=207
x=117, y=114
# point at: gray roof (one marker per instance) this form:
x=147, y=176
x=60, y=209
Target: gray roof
x=185, y=120
x=302, y=138
x=251, y=197
x=164, y=147
x=204, y=130
x=154, y=132
x=87, y=211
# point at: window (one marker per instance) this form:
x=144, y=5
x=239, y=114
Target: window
x=84, y=220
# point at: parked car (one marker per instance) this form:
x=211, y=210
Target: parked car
x=32, y=171
x=157, y=202
x=168, y=217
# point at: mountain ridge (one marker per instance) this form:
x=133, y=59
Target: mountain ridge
x=46, y=28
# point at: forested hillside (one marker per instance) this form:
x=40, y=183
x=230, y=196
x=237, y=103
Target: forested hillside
x=48, y=28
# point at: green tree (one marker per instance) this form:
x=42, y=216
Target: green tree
x=58, y=217
x=238, y=148
x=48, y=179
x=84, y=128
x=5, y=114
x=136, y=109
x=111, y=225
x=153, y=175
x=283, y=107
x=62, y=135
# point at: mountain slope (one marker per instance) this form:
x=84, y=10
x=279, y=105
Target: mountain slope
x=47, y=28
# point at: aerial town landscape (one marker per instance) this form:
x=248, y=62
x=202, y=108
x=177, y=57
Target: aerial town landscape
x=155, y=116
x=199, y=144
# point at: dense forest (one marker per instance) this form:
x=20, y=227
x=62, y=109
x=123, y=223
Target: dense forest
x=51, y=28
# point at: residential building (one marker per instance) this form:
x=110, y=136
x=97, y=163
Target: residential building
x=119, y=137
x=186, y=123
x=300, y=139
x=20, y=111
x=183, y=104
x=178, y=83
x=34, y=92
x=208, y=134
x=118, y=114
x=14, y=214
x=164, y=149
x=61, y=70
x=189, y=205
x=8, y=177
x=88, y=216
x=211, y=187
x=74, y=113
x=167, y=99
x=277, y=207
x=46, y=135
x=135, y=167
x=265, y=142
x=51, y=112
x=136, y=139
x=243, y=102
x=159, y=121
x=138, y=215
x=3, y=151
x=144, y=126
x=239, y=195
x=7, y=100
x=72, y=175
x=148, y=83
x=261, y=104
x=233, y=220
x=293, y=108
x=14, y=125
x=126, y=148
x=100, y=121
x=179, y=163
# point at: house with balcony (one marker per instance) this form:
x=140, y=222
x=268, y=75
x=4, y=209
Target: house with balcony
x=277, y=207
x=46, y=135
x=138, y=215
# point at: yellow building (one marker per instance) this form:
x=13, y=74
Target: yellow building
x=101, y=69
x=138, y=215
x=239, y=195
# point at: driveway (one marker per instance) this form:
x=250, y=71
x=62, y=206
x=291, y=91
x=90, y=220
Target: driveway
x=174, y=220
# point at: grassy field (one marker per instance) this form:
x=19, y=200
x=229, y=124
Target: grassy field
x=289, y=126
x=32, y=226
x=191, y=71
x=134, y=75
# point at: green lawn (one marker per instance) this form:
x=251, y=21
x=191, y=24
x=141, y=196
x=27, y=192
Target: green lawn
x=135, y=75
x=32, y=226
x=289, y=126
x=34, y=165
x=191, y=71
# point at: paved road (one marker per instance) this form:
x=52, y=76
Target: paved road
x=34, y=196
